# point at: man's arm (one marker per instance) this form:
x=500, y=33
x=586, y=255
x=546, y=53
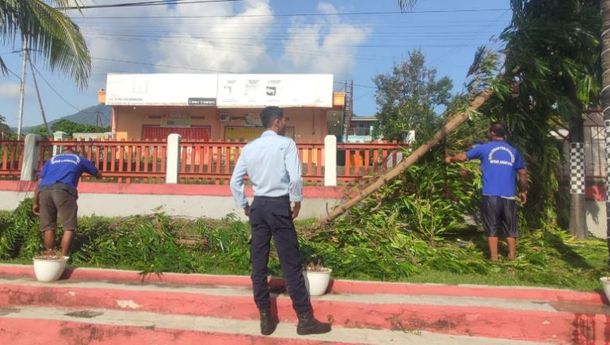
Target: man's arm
x=522, y=174
x=237, y=185
x=36, y=203
x=293, y=167
x=90, y=168
x=460, y=157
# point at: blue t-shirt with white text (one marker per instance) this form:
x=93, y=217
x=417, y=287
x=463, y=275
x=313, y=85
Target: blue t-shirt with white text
x=499, y=165
x=65, y=168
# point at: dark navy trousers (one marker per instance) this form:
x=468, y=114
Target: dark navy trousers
x=272, y=217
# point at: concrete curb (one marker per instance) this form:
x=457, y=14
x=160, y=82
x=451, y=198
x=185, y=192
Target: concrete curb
x=478, y=316
x=101, y=326
x=337, y=286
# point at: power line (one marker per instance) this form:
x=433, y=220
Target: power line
x=144, y=3
x=52, y=88
x=279, y=15
x=196, y=69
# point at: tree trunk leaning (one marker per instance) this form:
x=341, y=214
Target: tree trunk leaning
x=454, y=122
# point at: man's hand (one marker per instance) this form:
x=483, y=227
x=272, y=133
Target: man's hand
x=247, y=210
x=36, y=209
x=522, y=198
x=460, y=157
x=295, y=209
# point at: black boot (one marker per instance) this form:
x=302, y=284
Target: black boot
x=268, y=323
x=309, y=325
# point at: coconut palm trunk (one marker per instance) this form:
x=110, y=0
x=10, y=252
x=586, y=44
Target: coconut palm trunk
x=605, y=98
x=454, y=122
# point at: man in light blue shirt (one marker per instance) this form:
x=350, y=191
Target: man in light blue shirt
x=273, y=166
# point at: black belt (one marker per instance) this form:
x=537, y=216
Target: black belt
x=271, y=197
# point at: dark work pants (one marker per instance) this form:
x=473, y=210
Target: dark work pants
x=272, y=217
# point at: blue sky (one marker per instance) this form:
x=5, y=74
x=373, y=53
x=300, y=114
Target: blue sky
x=354, y=40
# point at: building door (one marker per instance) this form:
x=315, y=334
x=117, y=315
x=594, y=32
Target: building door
x=201, y=133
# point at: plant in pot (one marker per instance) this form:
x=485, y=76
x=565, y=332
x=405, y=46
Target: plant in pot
x=317, y=278
x=49, y=266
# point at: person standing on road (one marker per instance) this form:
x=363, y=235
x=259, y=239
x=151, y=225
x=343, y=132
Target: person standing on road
x=272, y=165
x=56, y=195
x=501, y=164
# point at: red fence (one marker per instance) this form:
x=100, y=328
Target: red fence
x=11, y=158
x=206, y=162
x=357, y=160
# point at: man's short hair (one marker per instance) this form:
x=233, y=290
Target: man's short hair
x=498, y=129
x=269, y=114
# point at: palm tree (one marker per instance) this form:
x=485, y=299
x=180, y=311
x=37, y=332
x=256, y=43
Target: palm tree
x=49, y=33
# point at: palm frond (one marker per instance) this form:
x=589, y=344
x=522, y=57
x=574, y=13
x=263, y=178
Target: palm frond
x=49, y=33
x=406, y=5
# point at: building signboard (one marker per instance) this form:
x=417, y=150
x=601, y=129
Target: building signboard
x=221, y=90
x=283, y=90
x=161, y=89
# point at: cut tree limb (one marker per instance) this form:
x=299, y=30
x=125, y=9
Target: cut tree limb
x=454, y=122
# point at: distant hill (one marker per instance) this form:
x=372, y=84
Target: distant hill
x=97, y=115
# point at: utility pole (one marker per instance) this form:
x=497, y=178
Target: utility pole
x=44, y=117
x=22, y=85
x=605, y=98
x=348, y=109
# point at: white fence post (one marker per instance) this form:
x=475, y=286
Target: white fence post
x=330, y=161
x=59, y=135
x=173, y=158
x=30, y=157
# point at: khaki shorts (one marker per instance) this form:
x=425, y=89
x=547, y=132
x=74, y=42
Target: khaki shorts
x=56, y=201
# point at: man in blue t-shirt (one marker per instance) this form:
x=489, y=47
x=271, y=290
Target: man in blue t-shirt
x=56, y=195
x=501, y=164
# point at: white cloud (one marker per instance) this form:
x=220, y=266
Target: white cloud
x=9, y=91
x=227, y=44
x=216, y=37
x=225, y=37
x=327, y=45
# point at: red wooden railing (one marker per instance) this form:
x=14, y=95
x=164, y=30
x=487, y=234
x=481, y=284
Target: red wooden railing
x=120, y=161
x=206, y=162
x=11, y=158
x=357, y=160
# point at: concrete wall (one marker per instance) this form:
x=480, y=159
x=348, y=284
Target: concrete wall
x=596, y=218
x=104, y=199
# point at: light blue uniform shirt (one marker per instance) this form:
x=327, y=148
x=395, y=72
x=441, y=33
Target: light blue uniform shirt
x=273, y=166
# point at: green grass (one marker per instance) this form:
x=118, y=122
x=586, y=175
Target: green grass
x=158, y=243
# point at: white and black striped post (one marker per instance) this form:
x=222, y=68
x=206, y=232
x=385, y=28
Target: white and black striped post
x=577, y=189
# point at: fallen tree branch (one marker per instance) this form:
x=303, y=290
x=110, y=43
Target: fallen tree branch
x=454, y=122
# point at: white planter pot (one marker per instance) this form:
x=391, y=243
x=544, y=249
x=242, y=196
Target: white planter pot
x=317, y=281
x=48, y=270
x=606, y=285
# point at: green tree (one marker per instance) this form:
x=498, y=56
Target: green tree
x=70, y=127
x=49, y=34
x=409, y=98
x=552, y=57
x=5, y=130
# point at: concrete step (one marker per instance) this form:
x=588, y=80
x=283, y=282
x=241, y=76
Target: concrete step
x=58, y=326
x=504, y=313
